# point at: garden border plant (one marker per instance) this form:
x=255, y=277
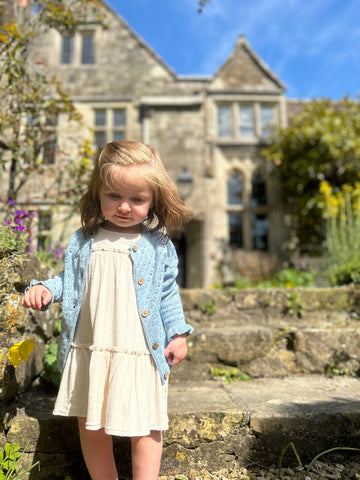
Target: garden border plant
x=311, y=464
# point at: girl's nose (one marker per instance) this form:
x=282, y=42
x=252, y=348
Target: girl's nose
x=124, y=206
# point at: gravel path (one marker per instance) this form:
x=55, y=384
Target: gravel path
x=320, y=471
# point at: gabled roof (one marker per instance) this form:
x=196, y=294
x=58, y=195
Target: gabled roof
x=245, y=70
x=141, y=41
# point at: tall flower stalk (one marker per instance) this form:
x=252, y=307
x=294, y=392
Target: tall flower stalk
x=341, y=211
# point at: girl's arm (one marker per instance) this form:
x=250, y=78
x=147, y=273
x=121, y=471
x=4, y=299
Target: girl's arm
x=41, y=295
x=176, y=350
x=172, y=312
x=37, y=297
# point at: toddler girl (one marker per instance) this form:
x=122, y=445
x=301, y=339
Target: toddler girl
x=123, y=325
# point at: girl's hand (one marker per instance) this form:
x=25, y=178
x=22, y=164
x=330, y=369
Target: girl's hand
x=36, y=297
x=176, y=351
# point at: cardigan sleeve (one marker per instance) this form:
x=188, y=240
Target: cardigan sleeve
x=56, y=284
x=171, y=309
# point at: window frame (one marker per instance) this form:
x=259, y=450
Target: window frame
x=79, y=54
x=247, y=210
x=256, y=126
x=87, y=55
x=108, y=128
x=67, y=49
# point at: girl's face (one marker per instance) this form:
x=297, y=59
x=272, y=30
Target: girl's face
x=126, y=203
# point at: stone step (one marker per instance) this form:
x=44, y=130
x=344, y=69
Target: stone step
x=269, y=351
x=214, y=426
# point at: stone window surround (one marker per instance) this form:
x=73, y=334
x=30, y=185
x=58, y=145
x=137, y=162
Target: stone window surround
x=86, y=30
x=245, y=208
x=44, y=224
x=235, y=105
x=109, y=128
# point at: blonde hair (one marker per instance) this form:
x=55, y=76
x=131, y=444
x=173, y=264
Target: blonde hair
x=167, y=213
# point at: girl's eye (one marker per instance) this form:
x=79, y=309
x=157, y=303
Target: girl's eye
x=137, y=200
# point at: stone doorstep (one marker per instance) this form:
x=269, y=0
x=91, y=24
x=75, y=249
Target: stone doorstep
x=213, y=425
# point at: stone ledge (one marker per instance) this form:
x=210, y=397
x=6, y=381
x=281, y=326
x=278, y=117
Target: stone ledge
x=212, y=424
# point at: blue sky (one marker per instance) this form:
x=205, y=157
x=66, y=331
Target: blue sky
x=313, y=46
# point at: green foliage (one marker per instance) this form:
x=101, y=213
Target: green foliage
x=289, y=278
x=293, y=305
x=51, y=256
x=229, y=376
x=12, y=242
x=209, y=308
x=10, y=462
x=311, y=464
x=341, y=213
x=34, y=100
x=322, y=142
x=332, y=370
x=51, y=373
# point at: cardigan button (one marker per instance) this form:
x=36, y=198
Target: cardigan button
x=135, y=248
x=155, y=346
x=140, y=281
x=166, y=374
x=144, y=313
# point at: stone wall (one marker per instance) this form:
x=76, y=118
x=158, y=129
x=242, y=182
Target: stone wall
x=18, y=324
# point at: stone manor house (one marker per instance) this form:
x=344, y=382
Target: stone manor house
x=209, y=131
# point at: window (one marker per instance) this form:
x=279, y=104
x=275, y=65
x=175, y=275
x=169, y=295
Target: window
x=67, y=49
x=235, y=190
x=258, y=191
x=44, y=229
x=239, y=121
x=247, y=212
x=77, y=49
x=224, y=124
x=49, y=149
x=87, y=51
x=236, y=234
x=50, y=141
x=246, y=121
x=109, y=125
x=267, y=120
x=259, y=233
x=119, y=124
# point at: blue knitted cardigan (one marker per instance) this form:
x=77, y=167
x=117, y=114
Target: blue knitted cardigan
x=158, y=299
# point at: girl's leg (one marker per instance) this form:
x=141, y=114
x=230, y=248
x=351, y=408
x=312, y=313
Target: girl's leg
x=97, y=449
x=146, y=456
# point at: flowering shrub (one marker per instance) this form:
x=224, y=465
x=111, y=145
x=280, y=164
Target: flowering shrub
x=52, y=256
x=341, y=211
x=15, y=233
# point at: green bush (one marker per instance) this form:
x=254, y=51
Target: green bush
x=346, y=273
x=12, y=241
x=50, y=372
x=10, y=462
x=289, y=278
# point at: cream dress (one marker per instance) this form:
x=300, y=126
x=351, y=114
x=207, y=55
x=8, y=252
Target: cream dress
x=110, y=376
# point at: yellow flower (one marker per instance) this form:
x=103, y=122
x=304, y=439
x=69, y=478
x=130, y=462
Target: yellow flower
x=347, y=188
x=325, y=188
x=21, y=351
